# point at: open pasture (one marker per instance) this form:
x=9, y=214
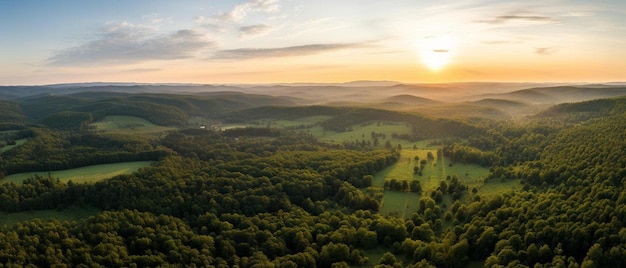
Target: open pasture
x=83, y=174
x=433, y=172
x=127, y=125
x=361, y=132
x=303, y=122
x=17, y=143
x=399, y=203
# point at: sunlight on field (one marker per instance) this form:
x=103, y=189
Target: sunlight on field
x=364, y=132
x=304, y=122
x=128, y=125
x=400, y=203
x=68, y=214
x=435, y=170
x=497, y=187
x=83, y=174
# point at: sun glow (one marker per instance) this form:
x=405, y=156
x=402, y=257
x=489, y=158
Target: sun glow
x=437, y=51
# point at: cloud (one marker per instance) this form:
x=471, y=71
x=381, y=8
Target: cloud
x=254, y=30
x=517, y=18
x=240, y=11
x=545, y=50
x=500, y=42
x=251, y=53
x=128, y=43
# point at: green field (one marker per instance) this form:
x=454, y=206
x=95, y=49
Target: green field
x=17, y=143
x=364, y=132
x=128, y=125
x=304, y=121
x=435, y=170
x=84, y=174
x=400, y=203
x=68, y=214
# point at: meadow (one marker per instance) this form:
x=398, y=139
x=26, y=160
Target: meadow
x=439, y=168
x=123, y=124
x=83, y=174
x=17, y=143
x=433, y=172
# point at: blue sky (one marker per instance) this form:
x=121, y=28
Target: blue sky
x=264, y=41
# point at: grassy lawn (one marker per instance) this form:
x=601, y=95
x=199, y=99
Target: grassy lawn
x=84, y=174
x=68, y=214
x=128, y=125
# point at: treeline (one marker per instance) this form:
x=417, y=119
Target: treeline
x=48, y=150
x=282, y=112
x=71, y=111
x=422, y=127
x=467, y=154
x=67, y=120
x=11, y=113
x=251, y=131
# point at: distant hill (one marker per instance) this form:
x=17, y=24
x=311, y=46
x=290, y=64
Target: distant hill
x=508, y=106
x=560, y=94
x=158, y=108
x=410, y=99
x=581, y=111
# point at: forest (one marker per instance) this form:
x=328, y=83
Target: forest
x=272, y=195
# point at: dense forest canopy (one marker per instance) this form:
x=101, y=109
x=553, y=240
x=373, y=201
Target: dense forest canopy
x=262, y=194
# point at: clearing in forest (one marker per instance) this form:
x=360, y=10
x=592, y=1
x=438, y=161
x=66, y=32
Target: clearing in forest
x=83, y=174
x=433, y=171
x=127, y=125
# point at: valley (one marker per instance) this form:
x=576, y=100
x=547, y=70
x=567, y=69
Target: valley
x=358, y=174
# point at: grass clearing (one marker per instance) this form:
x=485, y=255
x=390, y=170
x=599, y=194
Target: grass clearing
x=84, y=174
x=399, y=203
x=17, y=143
x=403, y=204
x=492, y=188
x=67, y=214
x=364, y=132
x=128, y=125
x=302, y=122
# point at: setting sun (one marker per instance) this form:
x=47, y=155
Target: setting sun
x=436, y=51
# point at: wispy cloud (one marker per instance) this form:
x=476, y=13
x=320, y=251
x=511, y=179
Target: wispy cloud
x=128, y=43
x=500, y=42
x=516, y=18
x=239, y=12
x=545, y=50
x=251, y=53
x=254, y=30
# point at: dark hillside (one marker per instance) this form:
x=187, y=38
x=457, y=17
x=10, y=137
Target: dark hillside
x=280, y=112
x=507, y=106
x=410, y=99
x=161, y=109
x=560, y=94
x=11, y=112
x=575, y=201
x=581, y=111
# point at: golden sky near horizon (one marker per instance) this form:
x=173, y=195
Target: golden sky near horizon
x=266, y=41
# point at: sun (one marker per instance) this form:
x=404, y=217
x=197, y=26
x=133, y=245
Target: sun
x=436, y=51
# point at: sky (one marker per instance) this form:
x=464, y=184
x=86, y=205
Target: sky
x=284, y=41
